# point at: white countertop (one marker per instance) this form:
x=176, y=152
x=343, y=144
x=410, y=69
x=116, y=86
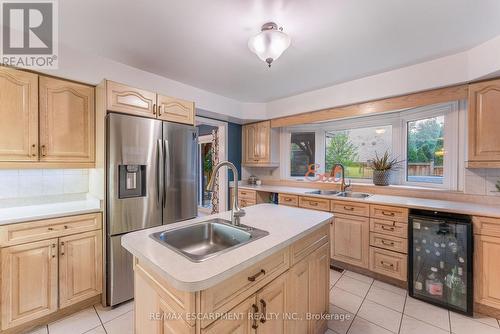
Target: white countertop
x=409, y=202
x=284, y=224
x=17, y=211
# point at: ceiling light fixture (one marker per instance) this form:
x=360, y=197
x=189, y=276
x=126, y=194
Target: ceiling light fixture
x=270, y=43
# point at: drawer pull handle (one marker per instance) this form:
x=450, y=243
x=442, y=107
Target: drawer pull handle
x=255, y=325
x=390, y=214
x=50, y=228
x=349, y=208
x=390, y=265
x=264, y=315
x=388, y=243
x=65, y=227
x=288, y=199
x=44, y=153
x=313, y=203
x=62, y=247
x=384, y=227
x=254, y=277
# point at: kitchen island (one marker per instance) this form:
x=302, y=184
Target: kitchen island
x=275, y=284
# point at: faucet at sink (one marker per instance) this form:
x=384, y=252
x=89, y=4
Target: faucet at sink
x=236, y=211
x=343, y=185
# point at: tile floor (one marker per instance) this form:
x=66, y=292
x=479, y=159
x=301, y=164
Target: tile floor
x=359, y=305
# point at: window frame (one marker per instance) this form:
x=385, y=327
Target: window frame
x=455, y=117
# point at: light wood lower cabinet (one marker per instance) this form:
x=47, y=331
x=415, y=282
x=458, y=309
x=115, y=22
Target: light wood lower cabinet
x=80, y=267
x=46, y=272
x=29, y=282
x=487, y=270
x=249, y=302
x=351, y=239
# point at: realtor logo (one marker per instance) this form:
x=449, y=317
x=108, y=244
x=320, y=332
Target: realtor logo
x=29, y=33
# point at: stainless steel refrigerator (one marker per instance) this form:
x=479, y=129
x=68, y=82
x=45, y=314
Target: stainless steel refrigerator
x=150, y=180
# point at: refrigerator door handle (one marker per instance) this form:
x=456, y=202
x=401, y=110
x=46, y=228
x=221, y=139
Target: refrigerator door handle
x=159, y=173
x=166, y=170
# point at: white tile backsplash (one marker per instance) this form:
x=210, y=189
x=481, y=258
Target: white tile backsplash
x=481, y=181
x=24, y=183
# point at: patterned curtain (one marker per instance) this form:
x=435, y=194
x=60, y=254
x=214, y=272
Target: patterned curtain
x=215, y=161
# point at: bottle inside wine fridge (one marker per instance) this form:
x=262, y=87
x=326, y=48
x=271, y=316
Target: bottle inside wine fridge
x=440, y=259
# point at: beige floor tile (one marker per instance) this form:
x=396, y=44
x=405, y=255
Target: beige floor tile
x=124, y=324
x=486, y=320
x=359, y=277
x=77, y=323
x=465, y=325
x=361, y=326
x=329, y=331
x=39, y=330
x=107, y=314
x=343, y=319
x=428, y=313
x=411, y=325
x=389, y=287
x=345, y=300
x=387, y=298
x=334, y=277
x=354, y=286
x=97, y=330
x=380, y=315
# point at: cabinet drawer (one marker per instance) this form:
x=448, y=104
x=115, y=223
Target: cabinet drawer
x=246, y=202
x=247, y=194
x=389, y=227
x=14, y=234
x=226, y=295
x=290, y=200
x=388, y=263
x=486, y=226
x=314, y=203
x=389, y=212
x=351, y=208
x=305, y=246
x=389, y=242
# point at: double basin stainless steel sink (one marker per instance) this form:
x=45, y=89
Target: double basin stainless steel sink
x=348, y=194
x=213, y=237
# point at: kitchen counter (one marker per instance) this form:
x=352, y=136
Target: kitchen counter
x=284, y=224
x=18, y=211
x=409, y=202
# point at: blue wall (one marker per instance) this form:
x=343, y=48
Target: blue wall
x=233, y=150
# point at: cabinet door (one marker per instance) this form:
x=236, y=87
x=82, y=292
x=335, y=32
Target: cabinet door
x=319, y=276
x=272, y=306
x=130, y=100
x=351, y=239
x=241, y=324
x=298, y=297
x=263, y=140
x=250, y=146
x=19, y=115
x=67, y=121
x=29, y=282
x=80, y=267
x=487, y=270
x=484, y=117
x=175, y=110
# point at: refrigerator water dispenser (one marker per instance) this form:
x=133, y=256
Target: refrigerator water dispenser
x=132, y=181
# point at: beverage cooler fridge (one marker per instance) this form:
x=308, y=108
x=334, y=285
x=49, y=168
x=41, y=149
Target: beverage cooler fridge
x=440, y=259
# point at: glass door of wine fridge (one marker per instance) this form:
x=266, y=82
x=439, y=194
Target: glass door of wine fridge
x=440, y=259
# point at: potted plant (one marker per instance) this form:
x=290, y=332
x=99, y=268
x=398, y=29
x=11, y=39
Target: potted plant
x=383, y=167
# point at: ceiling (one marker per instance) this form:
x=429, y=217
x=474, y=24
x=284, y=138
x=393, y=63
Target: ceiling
x=204, y=43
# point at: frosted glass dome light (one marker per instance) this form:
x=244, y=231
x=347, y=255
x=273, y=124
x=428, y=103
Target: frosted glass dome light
x=270, y=43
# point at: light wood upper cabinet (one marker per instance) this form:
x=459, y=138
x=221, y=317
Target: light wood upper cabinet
x=260, y=145
x=130, y=100
x=29, y=282
x=483, y=120
x=80, y=267
x=67, y=118
x=19, y=115
x=351, y=239
x=175, y=110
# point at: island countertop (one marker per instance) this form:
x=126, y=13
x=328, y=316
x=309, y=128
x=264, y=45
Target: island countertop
x=284, y=224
